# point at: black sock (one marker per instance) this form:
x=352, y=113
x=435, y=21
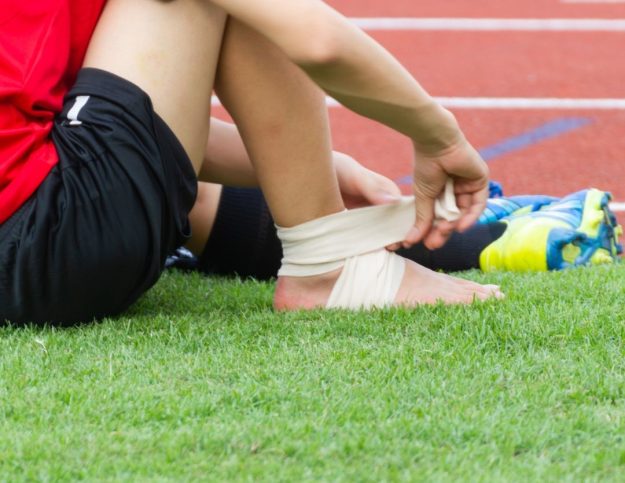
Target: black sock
x=243, y=240
x=461, y=252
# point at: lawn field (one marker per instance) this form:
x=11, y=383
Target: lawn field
x=202, y=380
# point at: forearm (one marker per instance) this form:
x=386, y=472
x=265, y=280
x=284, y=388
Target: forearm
x=364, y=77
x=228, y=163
x=350, y=66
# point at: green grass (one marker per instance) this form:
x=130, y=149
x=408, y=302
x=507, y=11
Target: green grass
x=201, y=380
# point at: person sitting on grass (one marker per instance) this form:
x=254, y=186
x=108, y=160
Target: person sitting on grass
x=104, y=125
x=238, y=236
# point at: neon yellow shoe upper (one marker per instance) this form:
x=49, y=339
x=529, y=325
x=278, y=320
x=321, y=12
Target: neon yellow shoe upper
x=577, y=230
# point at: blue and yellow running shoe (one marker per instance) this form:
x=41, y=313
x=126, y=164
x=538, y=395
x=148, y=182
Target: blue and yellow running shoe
x=577, y=230
x=498, y=208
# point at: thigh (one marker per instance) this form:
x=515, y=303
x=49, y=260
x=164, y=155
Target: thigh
x=170, y=49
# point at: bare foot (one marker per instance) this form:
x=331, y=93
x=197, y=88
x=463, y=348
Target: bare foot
x=419, y=286
x=424, y=286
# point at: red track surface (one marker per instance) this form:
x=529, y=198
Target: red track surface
x=476, y=9
x=506, y=64
x=520, y=64
x=590, y=156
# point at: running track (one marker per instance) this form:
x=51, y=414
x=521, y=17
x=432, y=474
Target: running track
x=537, y=85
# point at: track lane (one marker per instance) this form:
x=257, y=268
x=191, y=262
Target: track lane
x=513, y=64
x=591, y=155
x=506, y=64
x=477, y=9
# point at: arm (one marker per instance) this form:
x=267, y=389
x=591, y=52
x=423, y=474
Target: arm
x=227, y=162
x=348, y=64
x=363, y=76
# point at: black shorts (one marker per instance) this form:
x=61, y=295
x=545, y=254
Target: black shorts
x=96, y=233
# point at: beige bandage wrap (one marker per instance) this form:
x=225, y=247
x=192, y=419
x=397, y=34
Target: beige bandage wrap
x=355, y=240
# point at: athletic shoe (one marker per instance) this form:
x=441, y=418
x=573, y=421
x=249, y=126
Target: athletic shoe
x=577, y=230
x=182, y=259
x=498, y=208
x=495, y=190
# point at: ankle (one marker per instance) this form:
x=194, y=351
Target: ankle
x=294, y=293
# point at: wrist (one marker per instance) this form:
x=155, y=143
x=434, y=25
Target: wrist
x=437, y=130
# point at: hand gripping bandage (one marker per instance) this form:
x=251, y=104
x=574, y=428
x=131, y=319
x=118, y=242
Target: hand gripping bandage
x=355, y=240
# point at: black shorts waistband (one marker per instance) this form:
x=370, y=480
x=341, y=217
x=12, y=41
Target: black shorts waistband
x=106, y=85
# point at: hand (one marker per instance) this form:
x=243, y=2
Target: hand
x=465, y=166
x=362, y=187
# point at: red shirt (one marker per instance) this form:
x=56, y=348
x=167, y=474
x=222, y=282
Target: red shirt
x=42, y=45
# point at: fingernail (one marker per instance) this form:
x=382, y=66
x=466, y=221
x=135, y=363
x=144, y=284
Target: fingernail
x=413, y=234
x=389, y=197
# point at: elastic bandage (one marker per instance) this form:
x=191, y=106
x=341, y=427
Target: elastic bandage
x=355, y=240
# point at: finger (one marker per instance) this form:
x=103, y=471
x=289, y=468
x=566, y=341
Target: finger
x=388, y=185
x=393, y=247
x=464, y=201
x=379, y=190
x=439, y=234
x=423, y=220
x=472, y=212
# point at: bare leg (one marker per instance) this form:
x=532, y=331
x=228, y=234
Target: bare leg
x=170, y=50
x=203, y=214
x=282, y=119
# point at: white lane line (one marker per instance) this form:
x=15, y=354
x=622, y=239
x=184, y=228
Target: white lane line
x=530, y=103
x=491, y=24
x=593, y=1
x=617, y=207
x=514, y=103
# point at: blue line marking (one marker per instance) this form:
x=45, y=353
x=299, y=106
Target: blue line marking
x=541, y=133
x=546, y=131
